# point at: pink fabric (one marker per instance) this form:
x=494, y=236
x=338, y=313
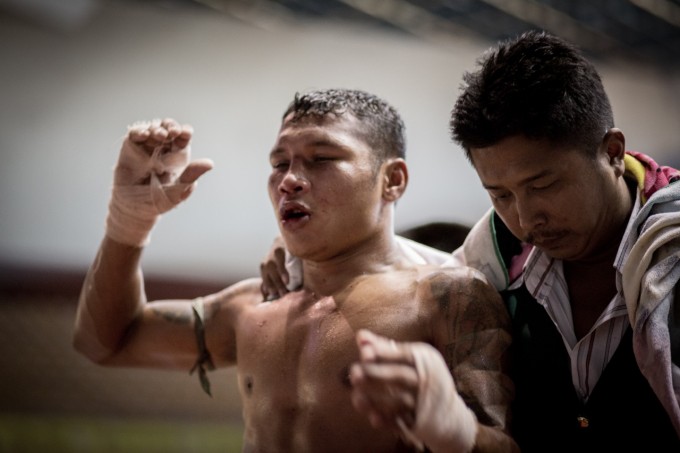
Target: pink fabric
x=656, y=176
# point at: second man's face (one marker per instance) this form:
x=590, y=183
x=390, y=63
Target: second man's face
x=560, y=200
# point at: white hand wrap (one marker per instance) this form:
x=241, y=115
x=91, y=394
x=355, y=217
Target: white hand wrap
x=138, y=197
x=443, y=421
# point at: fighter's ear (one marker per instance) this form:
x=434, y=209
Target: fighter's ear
x=395, y=179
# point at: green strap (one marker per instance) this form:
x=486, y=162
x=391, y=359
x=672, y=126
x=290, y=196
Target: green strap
x=204, y=360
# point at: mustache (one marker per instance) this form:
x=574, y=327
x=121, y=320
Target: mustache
x=542, y=236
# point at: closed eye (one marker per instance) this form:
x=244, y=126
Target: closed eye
x=280, y=165
x=499, y=195
x=323, y=158
x=539, y=187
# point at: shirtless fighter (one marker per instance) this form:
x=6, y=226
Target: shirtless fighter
x=337, y=170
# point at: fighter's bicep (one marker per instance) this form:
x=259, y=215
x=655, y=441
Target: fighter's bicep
x=159, y=337
x=222, y=313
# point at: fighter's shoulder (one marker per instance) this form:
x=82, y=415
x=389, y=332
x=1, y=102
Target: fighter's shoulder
x=461, y=283
x=425, y=273
x=464, y=275
x=241, y=293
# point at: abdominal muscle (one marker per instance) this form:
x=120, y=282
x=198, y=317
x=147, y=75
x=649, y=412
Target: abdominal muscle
x=293, y=370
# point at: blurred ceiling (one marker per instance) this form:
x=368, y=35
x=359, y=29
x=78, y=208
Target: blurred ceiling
x=640, y=31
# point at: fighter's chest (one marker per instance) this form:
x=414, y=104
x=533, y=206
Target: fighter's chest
x=314, y=341
x=297, y=334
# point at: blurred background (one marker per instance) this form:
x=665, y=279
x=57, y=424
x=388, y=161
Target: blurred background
x=75, y=73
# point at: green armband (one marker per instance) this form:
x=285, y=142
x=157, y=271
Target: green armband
x=204, y=360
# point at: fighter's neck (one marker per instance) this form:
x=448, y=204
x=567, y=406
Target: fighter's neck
x=329, y=276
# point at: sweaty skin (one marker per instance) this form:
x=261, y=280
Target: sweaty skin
x=294, y=354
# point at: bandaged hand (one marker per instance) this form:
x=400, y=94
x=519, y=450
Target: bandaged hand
x=154, y=174
x=408, y=388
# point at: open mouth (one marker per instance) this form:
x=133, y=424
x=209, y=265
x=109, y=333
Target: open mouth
x=291, y=212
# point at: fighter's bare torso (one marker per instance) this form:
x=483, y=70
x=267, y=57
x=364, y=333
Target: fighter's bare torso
x=293, y=357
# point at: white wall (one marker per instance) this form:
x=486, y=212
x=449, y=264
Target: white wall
x=67, y=98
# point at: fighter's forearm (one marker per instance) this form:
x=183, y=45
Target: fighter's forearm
x=111, y=298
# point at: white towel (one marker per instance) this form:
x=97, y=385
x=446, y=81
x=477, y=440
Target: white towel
x=650, y=276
